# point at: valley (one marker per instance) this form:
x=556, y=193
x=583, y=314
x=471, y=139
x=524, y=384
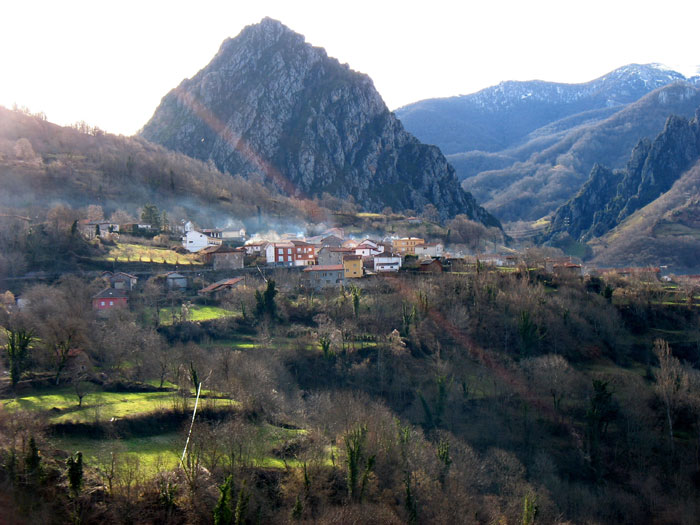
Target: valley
x=281, y=302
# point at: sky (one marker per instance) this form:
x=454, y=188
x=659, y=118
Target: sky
x=109, y=63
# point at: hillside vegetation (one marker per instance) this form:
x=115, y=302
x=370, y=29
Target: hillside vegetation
x=664, y=232
x=408, y=399
x=42, y=164
x=549, y=170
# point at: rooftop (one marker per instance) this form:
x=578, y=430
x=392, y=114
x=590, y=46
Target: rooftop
x=111, y=293
x=225, y=283
x=324, y=268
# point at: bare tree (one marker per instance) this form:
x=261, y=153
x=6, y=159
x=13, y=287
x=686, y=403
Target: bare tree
x=670, y=382
x=551, y=374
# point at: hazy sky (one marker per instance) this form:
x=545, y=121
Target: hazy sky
x=109, y=63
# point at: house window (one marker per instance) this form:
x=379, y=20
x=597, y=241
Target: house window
x=111, y=303
x=289, y=251
x=281, y=251
x=102, y=303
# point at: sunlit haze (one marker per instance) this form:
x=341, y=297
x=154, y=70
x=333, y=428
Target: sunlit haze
x=109, y=63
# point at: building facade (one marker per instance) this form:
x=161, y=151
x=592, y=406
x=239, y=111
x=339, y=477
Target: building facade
x=322, y=276
x=406, y=245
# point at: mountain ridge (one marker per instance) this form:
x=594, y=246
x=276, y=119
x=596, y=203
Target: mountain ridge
x=532, y=181
x=616, y=88
x=610, y=196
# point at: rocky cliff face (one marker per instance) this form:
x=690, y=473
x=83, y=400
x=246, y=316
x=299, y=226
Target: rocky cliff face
x=608, y=197
x=271, y=103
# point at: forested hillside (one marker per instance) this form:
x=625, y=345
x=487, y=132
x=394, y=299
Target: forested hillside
x=480, y=396
x=42, y=164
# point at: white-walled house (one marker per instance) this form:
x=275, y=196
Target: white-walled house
x=368, y=248
x=193, y=241
x=430, y=250
x=387, y=263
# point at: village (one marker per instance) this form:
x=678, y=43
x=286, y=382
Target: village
x=228, y=258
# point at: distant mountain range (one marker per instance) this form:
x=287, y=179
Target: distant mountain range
x=270, y=103
x=524, y=148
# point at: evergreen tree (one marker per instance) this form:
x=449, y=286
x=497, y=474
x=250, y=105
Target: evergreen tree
x=223, y=514
x=355, y=450
x=298, y=509
x=242, y=506
x=17, y=348
x=75, y=473
x=151, y=215
x=32, y=461
x=265, y=305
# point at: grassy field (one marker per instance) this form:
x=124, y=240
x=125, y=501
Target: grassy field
x=154, y=453
x=61, y=404
x=197, y=313
x=124, y=252
x=236, y=344
x=163, y=451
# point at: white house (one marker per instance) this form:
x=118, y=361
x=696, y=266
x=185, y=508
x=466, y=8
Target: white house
x=430, y=250
x=491, y=259
x=194, y=241
x=368, y=248
x=387, y=263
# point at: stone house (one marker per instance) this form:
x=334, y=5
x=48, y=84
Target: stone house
x=332, y=241
x=322, y=276
x=223, y=257
x=175, y=281
x=121, y=280
x=328, y=255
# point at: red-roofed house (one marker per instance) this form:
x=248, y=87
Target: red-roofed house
x=304, y=253
x=220, y=287
x=280, y=253
x=110, y=298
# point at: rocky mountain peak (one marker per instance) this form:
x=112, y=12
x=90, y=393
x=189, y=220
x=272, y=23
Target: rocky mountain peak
x=271, y=103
